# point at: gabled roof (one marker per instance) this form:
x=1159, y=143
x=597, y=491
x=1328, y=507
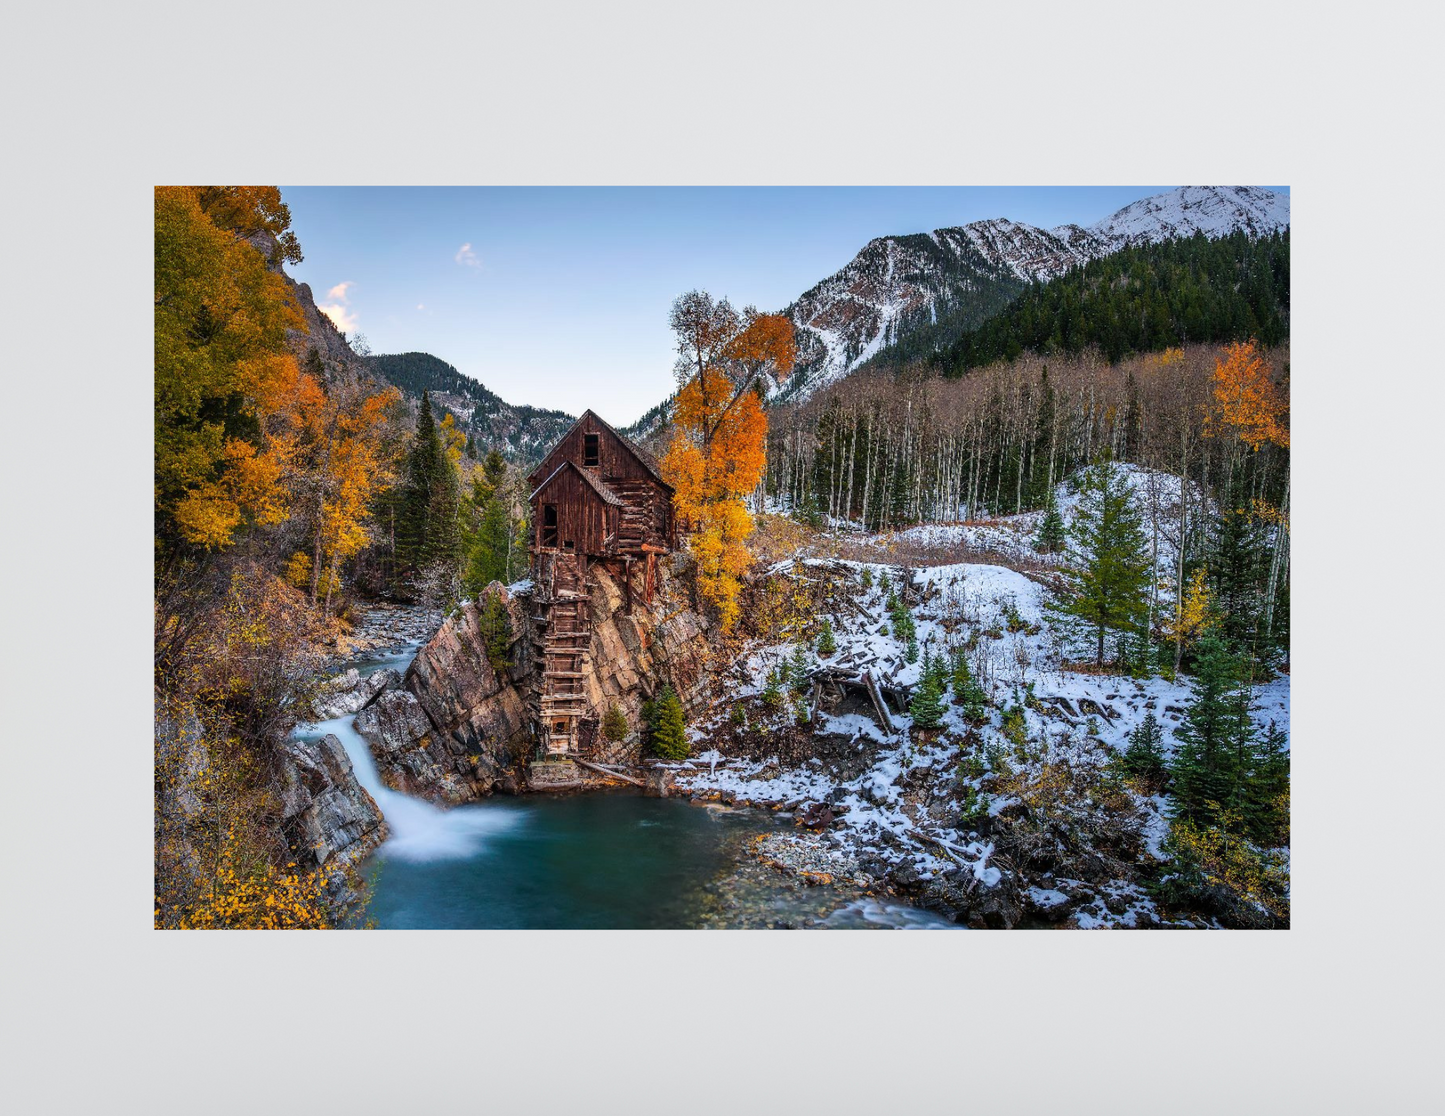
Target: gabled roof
x=608, y=496
x=646, y=459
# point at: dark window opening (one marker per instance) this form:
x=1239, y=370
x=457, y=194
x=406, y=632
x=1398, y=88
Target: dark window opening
x=589, y=449
x=549, y=524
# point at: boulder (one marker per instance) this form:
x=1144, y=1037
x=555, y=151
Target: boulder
x=658, y=783
x=411, y=757
x=815, y=815
x=349, y=693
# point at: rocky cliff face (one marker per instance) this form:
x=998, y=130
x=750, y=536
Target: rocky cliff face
x=328, y=816
x=461, y=730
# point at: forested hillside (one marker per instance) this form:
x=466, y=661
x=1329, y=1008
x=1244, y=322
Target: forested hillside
x=519, y=432
x=1142, y=299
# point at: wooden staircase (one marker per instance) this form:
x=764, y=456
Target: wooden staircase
x=561, y=637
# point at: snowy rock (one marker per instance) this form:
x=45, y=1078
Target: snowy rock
x=349, y=693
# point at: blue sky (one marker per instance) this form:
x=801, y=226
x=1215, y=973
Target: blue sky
x=559, y=296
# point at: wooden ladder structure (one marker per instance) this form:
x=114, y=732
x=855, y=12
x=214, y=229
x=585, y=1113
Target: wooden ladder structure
x=561, y=637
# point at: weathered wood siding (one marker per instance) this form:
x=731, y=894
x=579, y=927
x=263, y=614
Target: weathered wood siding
x=615, y=461
x=644, y=521
x=582, y=515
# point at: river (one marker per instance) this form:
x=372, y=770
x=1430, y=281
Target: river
x=609, y=859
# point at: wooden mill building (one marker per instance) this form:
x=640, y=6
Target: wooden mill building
x=596, y=497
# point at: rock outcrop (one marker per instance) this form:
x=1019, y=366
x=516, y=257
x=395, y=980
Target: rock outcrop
x=349, y=693
x=329, y=818
x=413, y=758
x=467, y=730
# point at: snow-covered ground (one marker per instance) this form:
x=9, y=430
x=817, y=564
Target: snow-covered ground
x=898, y=803
x=1156, y=495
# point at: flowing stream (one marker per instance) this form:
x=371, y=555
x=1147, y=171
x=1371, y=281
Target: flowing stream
x=608, y=859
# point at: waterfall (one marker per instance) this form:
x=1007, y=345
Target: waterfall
x=419, y=831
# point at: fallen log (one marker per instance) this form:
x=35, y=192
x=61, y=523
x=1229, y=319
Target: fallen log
x=610, y=774
x=878, y=704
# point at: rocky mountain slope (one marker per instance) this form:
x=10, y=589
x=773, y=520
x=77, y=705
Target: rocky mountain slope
x=961, y=276
x=522, y=433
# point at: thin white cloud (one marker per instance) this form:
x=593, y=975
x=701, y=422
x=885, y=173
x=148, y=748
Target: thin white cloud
x=466, y=256
x=342, y=317
x=339, y=308
x=420, y=306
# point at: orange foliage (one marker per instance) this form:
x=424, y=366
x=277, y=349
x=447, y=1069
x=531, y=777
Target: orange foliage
x=334, y=437
x=718, y=453
x=1247, y=400
x=221, y=360
x=764, y=346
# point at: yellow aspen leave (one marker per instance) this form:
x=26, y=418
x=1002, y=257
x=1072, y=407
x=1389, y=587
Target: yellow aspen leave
x=454, y=441
x=1191, y=614
x=335, y=440
x=711, y=479
x=221, y=361
x=1262, y=511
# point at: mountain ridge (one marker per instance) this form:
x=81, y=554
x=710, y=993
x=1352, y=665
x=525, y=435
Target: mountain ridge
x=966, y=273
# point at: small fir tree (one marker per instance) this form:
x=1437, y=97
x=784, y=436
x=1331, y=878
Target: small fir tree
x=1211, y=767
x=614, y=724
x=867, y=577
x=1145, y=755
x=1109, y=576
x=496, y=631
x=669, y=735
x=827, y=643
x=967, y=693
x=926, y=704
x=798, y=669
x=772, y=694
x=1052, y=533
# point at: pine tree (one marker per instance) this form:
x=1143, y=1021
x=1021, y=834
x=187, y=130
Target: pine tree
x=1145, y=755
x=1052, y=533
x=614, y=724
x=1237, y=571
x=1267, y=794
x=926, y=704
x=772, y=692
x=428, y=530
x=1211, y=767
x=867, y=577
x=827, y=643
x=490, y=545
x=669, y=734
x=1109, y=575
x=967, y=693
x=496, y=631
x=797, y=669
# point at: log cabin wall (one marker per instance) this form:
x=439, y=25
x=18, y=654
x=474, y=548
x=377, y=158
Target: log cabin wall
x=641, y=519
x=584, y=518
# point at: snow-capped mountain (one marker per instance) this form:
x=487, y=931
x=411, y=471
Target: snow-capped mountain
x=1212, y=210
x=898, y=283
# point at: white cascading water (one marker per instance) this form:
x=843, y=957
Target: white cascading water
x=419, y=830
